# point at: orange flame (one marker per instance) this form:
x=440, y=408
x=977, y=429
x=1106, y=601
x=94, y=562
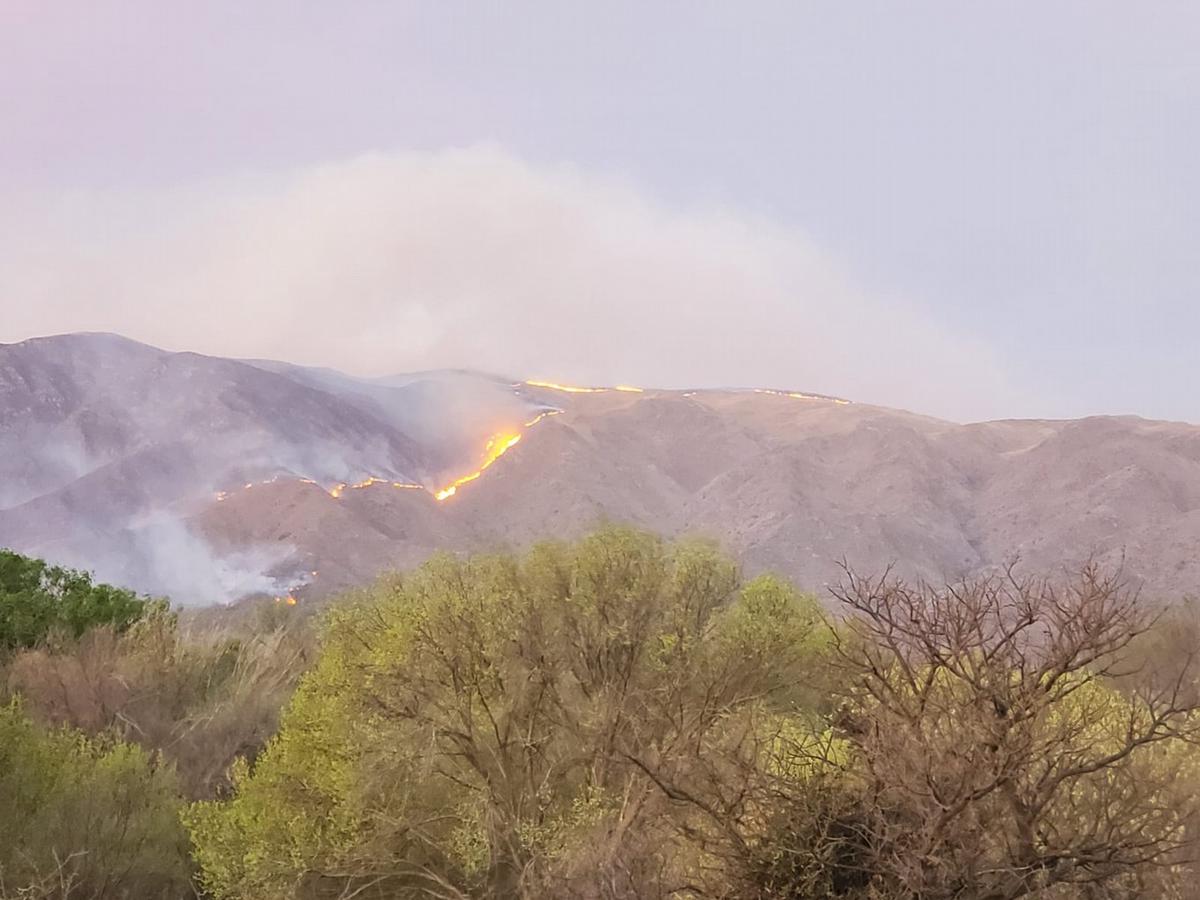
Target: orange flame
x=566, y=388
x=368, y=481
x=496, y=447
x=338, y=489
x=796, y=395
x=575, y=389
x=542, y=415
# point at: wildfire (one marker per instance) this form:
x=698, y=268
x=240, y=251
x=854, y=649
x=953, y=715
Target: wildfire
x=576, y=389
x=290, y=600
x=338, y=489
x=542, y=415
x=796, y=395
x=496, y=447
x=566, y=388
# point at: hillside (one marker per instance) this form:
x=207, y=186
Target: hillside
x=119, y=456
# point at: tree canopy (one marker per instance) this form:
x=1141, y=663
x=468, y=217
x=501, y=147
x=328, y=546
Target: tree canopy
x=37, y=599
x=618, y=718
x=513, y=726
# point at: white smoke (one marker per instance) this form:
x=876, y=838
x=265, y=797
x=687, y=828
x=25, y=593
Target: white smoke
x=180, y=564
x=473, y=258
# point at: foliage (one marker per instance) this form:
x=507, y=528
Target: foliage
x=85, y=817
x=504, y=727
x=989, y=753
x=38, y=600
x=618, y=718
x=201, y=697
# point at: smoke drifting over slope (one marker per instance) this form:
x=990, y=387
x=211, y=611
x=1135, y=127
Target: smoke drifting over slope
x=109, y=447
x=209, y=479
x=472, y=257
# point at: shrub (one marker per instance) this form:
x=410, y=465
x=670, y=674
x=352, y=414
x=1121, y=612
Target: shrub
x=85, y=817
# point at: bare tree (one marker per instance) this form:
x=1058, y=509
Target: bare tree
x=992, y=756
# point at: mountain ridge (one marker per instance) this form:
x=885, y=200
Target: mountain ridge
x=146, y=447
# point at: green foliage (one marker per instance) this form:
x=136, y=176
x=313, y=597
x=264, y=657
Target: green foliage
x=37, y=600
x=85, y=817
x=618, y=718
x=490, y=724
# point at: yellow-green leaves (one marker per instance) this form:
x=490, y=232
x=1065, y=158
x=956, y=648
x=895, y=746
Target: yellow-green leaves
x=484, y=717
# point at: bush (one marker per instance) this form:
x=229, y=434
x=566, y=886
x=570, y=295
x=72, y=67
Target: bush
x=85, y=817
x=200, y=698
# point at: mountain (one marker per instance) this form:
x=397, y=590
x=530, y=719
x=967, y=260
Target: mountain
x=109, y=447
x=135, y=462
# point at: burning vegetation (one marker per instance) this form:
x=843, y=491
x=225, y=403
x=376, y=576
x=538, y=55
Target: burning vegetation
x=505, y=439
x=797, y=395
x=574, y=389
x=496, y=447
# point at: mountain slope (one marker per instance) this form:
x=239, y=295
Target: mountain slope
x=105, y=441
x=112, y=451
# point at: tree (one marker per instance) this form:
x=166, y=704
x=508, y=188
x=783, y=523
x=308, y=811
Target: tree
x=37, y=599
x=555, y=725
x=985, y=751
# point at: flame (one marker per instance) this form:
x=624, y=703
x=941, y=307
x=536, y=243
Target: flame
x=575, y=389
x=368, y=481
x=496, y=447
x=290, y=600
x=542, y=415
x=796, y=395
x=338, y=489
x=566, y=388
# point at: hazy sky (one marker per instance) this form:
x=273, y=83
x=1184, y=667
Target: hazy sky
x=968, y=209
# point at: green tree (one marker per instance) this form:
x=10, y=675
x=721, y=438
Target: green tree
x=38, y=599
x=514, y=727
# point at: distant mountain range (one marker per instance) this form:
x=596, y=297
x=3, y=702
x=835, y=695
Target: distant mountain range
x=135, y=462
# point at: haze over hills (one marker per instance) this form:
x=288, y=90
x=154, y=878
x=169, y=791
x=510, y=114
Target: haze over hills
x=135, y=462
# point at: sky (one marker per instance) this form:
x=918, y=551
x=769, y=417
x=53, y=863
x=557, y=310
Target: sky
x=972, y=210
